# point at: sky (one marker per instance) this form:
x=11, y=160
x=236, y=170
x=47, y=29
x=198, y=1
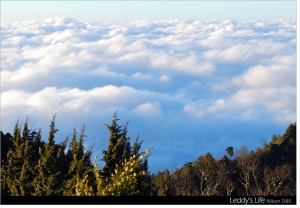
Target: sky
x=190, y=77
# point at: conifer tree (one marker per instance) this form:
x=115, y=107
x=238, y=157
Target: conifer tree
x=116, y=148
x=19, y=172
x=80, y=166
x=6, y=144
x=120, y=150
x=48, y=180
x=36, y=168
x=10, y=173
x=26, y=175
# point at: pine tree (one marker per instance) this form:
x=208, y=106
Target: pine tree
x=120, y=150
x=10, y=173
x=36, y=168
x=18, y=174
x=49, y=178
x=125, y=179
x=80, y=167
x=6, y=144
x=26, y=175
x=116, y=148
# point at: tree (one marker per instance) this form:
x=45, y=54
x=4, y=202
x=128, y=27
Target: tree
x=160, y=185
x=116, y=148
x=79, y=163
x=50, y=170
x=249, y=170
x=183, y=181
x=211, y=180
x=225, y=170
x=278, y=182
x=18, y=171
x=229, y=151
x=6, y=144
x=10, y=173
x=124, y=180
x=120, y=150
x=36, y=168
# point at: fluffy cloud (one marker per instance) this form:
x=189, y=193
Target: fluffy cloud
x=267, y=76
x=169, y=77
x=52, y=99
x=247, y=103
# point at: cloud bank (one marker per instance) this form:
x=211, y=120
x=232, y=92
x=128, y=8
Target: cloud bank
x=185, y=85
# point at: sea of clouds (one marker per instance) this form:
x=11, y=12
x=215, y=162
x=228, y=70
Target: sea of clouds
x=187, y=86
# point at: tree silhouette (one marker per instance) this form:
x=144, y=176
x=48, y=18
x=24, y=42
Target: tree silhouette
x=229, y=151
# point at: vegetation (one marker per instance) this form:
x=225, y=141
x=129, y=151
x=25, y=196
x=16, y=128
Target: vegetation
x=35, y=168
x=267, y=171
x=32, y=167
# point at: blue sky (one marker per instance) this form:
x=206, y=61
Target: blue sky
x=191, y=77
x=132, y=10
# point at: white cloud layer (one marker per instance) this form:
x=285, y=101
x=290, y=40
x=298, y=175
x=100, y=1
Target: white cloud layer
x=164, y=74
x=247, y=103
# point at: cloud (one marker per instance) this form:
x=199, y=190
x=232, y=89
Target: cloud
x=267, y=76
x=164, y=78
x=250, y=51
x=183, y=84
x=247, y=104
x=74, y=100
x=148, y=109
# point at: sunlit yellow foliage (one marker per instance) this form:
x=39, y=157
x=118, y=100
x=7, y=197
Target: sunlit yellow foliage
x=122, y=183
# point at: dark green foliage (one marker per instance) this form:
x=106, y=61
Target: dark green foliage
x=10, y=172
x=160, y=183
x=48, y=180
x=117, y=142
x=32, y=167
x=6, y=144
x=119, y=150
x=18, y=171
x=47, y=168
x=79, y=163
x=282, y=150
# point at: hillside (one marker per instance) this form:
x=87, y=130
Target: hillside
x=26, y=161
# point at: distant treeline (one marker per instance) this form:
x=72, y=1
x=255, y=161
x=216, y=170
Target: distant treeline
x=266, y=171
x=32, y=167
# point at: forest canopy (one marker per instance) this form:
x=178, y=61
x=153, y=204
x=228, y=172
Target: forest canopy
x=33, y=167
